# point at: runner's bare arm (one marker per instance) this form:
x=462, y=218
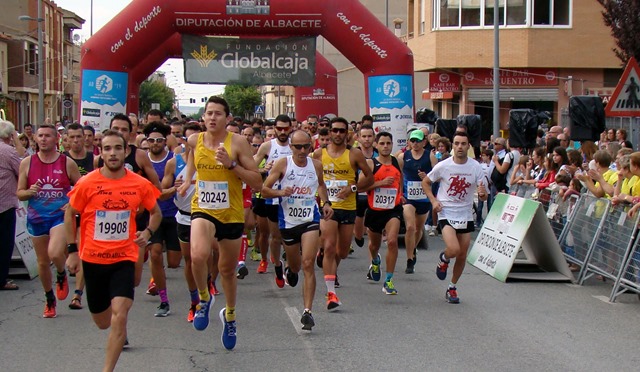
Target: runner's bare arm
x=317, y=154
x=73, y=261
x=262, y=153
x=23, y=192
x=145, y=164
x=327, y=210
x=375, y=184
x=279, y=168
x=359, y=162
x=155, y=217
x=191, y=167
x=168, y=187
x=246, y=168
x=73, y=171
x=172, y=142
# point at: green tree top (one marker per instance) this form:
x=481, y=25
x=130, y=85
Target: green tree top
x=242, y=99
x=623, y=17
x=154, y=91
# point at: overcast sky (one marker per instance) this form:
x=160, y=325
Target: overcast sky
x=103, y=12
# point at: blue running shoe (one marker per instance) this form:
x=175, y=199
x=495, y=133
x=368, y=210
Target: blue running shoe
x=201, y=319
x=388, y=288
x=228, y=332
x=441, y=269
x=452, y=295
x=374, y=271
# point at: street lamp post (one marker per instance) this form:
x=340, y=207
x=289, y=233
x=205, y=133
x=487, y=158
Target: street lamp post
x=40, y=20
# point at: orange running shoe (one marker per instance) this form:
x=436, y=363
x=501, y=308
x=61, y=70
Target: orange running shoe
x=62, y=287
x=49, y=309
x=213, y=290
x=262, y=268
x=152, y=290
x=332, y=301
x=192, y=313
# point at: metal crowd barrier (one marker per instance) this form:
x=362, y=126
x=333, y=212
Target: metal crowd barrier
x=581, y=232
x=557, y=209
x=630, y=278
x=600, y=238
x=612, y=245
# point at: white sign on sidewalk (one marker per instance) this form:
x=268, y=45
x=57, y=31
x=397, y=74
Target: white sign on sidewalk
x=23, y=243
x=512, y=224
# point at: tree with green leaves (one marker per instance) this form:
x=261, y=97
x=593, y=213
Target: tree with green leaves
x=155, y=91
x=242, y=99
x=623, y=17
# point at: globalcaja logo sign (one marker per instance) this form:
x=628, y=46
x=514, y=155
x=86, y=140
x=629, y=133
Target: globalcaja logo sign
x=91, y=112
x=214, y=60
x=381, y=117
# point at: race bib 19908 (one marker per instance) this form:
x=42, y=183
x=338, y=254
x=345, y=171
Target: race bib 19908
x=334, y=187
x=112, y=225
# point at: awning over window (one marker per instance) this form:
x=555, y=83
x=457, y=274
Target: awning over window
x=484, y=95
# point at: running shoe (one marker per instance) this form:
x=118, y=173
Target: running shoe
x=410, y=267
x=126, y=343
x=351, y=249
x=320, y=257
x=374, y=270
x=49, y=309
x=201, y=318
x=262, y=268
x=163, y=310
x=62, y=287
x=228, y=337
x=192, y=313
x=292, y=278
x=242, y=271
x=452, y=295
x=213, y=290
x=441, y=269
x=307, y=320
x=359, y=242
x=255, y=255
x=332, y=301
x=388, y=288
x=152, y=290
x=279, y=275
x=76, y=303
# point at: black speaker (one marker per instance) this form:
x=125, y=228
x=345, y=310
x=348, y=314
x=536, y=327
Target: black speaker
x=523, y=128
x=446, y=128
x=587, y=118
x=424, y=115
x=473, y=123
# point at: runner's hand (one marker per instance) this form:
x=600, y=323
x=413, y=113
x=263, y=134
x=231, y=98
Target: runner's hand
x=344, y=193
x=182, y=189
x=140, y=240
x=437, y=207
x=33, y=190
x=421, y=174
x=222, y=156
x=388, y=181
x=178, y=183
x=287, y=191
x=73, y=263
x=327, y=212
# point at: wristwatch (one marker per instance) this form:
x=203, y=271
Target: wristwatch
x=233, y=165
x=354, y=188
x=326, y=203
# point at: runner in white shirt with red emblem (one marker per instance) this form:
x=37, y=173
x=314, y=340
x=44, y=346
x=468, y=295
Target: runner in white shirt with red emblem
x=460, y=177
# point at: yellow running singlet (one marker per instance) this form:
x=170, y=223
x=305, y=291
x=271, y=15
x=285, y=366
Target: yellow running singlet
x=337, y=174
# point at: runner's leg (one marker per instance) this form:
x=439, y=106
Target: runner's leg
x=119, y=310
x=309, y=251
x=464, y=240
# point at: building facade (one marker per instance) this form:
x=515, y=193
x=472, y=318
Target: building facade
x=61, y=61
x=549, y=51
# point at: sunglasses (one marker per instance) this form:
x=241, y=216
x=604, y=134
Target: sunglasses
x=300, y=147
x=339, y=130
x=282, y=129
x=144, y=148
x=255, y=144
x=323, y=125
x=414, y=140
x=156, y=140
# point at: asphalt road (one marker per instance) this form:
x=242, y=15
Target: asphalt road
x=524, y=326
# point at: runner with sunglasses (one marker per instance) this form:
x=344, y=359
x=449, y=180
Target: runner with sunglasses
x=340, y=164
x=267, y=208
x=300, y=177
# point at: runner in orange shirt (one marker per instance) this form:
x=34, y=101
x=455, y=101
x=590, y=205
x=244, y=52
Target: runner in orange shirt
x=111, y=251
